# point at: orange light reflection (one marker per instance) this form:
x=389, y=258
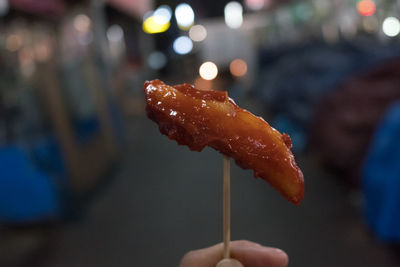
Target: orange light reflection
x=366, y=7
x=238, y=67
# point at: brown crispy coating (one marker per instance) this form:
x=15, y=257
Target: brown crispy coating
x=198, y=118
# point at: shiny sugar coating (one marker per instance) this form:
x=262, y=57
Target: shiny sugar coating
x=198, y=118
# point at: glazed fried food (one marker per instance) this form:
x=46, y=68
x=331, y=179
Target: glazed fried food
x=198, y=118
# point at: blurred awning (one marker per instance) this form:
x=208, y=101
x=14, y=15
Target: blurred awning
x=41, y=7
x=136, y=8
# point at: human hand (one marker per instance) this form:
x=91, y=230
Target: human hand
x=250, y=254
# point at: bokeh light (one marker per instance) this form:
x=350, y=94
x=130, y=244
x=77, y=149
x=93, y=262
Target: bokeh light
x=238, y=67
x=366, y=7
x=13, y=42
x=203, y=84
x=151, y=26
x=115, y=33
x=370, y=24
x=26, y=55
x=163, y=14
x=322, y=7
x=157, y=60
x=82, y=23
x=208, y=70
x=233, y=14
x=43, y=51
x=184, y=16
x=330, y=32
x=198, y=33
x=183, y=45
x=348, y=25
x=147, y=15
x=255, y=4
x=391, y=26
x=85, y=39
x=303, y=11
x=26, y=58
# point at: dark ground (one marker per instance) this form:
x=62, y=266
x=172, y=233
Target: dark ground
x=165, y=200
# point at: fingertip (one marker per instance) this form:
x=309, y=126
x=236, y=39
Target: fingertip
x=281, y=256
x=275, y=257
x=260, y=256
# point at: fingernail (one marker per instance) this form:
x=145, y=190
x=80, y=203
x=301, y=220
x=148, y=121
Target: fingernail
x=280, y=251
x=283, y=257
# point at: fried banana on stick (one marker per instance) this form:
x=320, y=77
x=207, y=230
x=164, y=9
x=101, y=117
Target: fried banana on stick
x=198, y=118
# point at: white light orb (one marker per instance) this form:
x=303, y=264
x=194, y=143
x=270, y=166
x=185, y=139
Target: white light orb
x=184, y=15
x=183, y=45
x=208, y=70
x=197, y=33
x=115, y=34
x=391, y=26
x=233, y=14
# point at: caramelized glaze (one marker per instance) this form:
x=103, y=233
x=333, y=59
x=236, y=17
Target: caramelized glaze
x=198, y=118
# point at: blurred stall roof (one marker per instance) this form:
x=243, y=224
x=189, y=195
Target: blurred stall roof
x=136, y=8
x=55, y=8
x=212, y=8
x=42, y=7
x=203, y=8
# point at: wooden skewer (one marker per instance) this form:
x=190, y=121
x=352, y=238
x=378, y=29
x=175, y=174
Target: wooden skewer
x=227, y=261
x=227, y=207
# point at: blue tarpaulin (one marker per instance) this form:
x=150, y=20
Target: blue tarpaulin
x=381, y=178
x=26, y=194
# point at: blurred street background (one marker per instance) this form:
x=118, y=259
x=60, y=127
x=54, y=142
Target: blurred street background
x=87, y=180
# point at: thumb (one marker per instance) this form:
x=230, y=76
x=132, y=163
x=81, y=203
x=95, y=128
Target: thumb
x=250, y=254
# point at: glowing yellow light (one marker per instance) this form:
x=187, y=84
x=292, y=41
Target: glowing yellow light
x=151, y=26
x=366, y=7
x=202, y=84
x=197, y=33
x=208, y=70
x=13, y=42
x=238, y=67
